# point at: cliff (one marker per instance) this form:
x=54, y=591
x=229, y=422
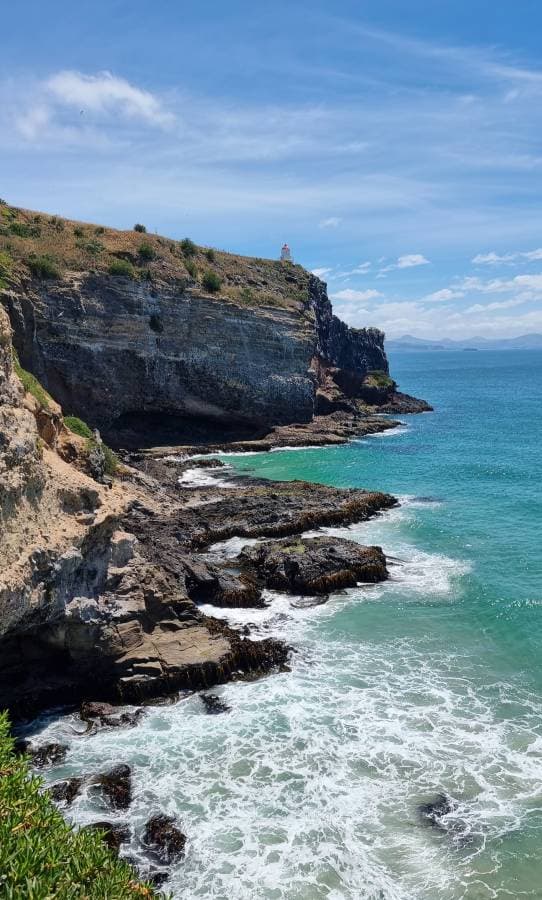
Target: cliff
x=150, y=339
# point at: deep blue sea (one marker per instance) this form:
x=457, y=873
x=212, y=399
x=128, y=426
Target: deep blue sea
x=428, y=684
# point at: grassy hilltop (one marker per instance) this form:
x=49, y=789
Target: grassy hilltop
x=48, y=247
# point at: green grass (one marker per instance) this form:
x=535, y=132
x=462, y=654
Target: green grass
x=31, y=384
x=41, y=856
x=121, y=268
x=191, y=268
x=21, y=229
x=378, y=379
x=5, y=268
x=77, y=426
x=188, y=247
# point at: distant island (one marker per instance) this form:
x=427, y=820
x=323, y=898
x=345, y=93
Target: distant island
x=409, y=342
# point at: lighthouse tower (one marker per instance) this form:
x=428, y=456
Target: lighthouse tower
x=286, y=254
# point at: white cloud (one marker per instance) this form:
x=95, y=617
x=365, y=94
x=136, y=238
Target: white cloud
x=350, y=296
x=321, y=273
x=332, y=222
x=442, y=296
x=409, y=261
x=32, y=122
x=495, y=259
x=491, y=307
x=412, y=260
x=107, y=93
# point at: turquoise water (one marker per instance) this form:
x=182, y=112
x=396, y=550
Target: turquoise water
x=429, y=683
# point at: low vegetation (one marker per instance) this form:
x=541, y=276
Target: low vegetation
x=5, y=268
x=121, y=268
x=41, y=856
x=31, y=384
x=140, y=228
x=379, y=379
x=147, y=252
x=43, y=267
x=188, y=247
x=77, y=426
x=211, y=282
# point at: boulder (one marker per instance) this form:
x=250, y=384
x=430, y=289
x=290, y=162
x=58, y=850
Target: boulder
x=66, y=791
x=213, y=704
x=113, y=833
x=164, y=838
x=116, y=785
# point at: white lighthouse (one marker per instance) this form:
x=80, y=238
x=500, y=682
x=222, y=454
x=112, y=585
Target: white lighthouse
x=286, y=254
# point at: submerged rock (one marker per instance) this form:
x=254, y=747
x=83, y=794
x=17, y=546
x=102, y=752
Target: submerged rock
x=213, y=704
x=163, y=837
x=315, y=565
x=432, y=813
x=116, y=785
x=66, y=791
x=46, y=755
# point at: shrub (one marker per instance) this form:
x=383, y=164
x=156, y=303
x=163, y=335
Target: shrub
x=191, y=268
x=211, y=282
x=31, y=383
x=41, y=855
x=21, y=229
x=121, y=268
x=140, y=228
x=93, y=247
x=3, y=202
x=99, y=230
x=57, y=224
x=43, y=267
x=147, y=252
x=378, y=378
x=188, y=247
x=210, y=254
x=111, y=460
x=78, y=232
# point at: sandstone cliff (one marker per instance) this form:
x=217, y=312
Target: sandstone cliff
x=141, y=336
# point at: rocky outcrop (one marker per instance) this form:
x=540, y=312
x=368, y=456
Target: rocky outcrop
x=315, y=565
x=155, y=356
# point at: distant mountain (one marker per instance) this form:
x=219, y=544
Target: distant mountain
x=409, y=342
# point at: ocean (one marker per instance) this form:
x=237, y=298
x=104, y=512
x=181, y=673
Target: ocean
x=428, y=684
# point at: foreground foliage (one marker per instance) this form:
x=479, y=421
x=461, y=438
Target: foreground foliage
x=41, y=856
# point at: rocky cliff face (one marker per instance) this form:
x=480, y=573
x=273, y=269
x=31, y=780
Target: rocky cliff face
x=156, y=349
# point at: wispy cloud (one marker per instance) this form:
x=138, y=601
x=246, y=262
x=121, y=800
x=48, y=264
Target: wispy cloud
x=496, y=259
x=322, y=272
x=350, y=296
x=332, y=222
x=409, y=261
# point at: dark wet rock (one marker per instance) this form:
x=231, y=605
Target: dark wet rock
x=432, y=813
x=46, y=755
x=156, y=877
x=116, y=786
x=113, y=833
x=66, y=791
x=164, y=839
x=213, y=704
x=315, y=565
x=105, y=714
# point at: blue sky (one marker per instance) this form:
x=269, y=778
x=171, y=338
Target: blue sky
x=396, y=146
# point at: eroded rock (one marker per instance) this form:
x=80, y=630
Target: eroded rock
x=164, y=839
x=114, y=834
x=315, y=565
x=116, y=786
x=214, y=705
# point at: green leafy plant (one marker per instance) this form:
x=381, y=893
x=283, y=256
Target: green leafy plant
x=94, y=248
x=210, y=254
x=188, y=247
x=140, y=228
x=121, y=268
x=41, y=855
x=211, y=282
x=43, y=267
x=78, y=232
x=147, y=252
x=378, y=378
